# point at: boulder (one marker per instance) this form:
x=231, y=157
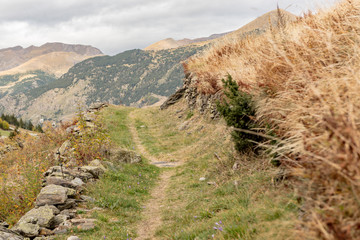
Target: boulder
x=94, y=171
x=97, y=106
x=70, y=203
x=64, y=147
x=59, y=219
x=41, y=217
x=83, y=224
x=77, y=182
x=71, y=213
x=7, y=234
x=124, y=156
x=27, y=229
x=59, y=181
x=52, y=195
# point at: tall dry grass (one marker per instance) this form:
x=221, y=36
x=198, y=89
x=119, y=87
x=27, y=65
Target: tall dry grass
x=306, y=80
x=22, y=171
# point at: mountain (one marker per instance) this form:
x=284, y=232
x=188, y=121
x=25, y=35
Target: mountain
x=264, y=22
x=134, y=77
x=15, y=56
x=260, y=24
x=171, y=43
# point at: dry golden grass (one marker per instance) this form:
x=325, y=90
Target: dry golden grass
x=305, y=77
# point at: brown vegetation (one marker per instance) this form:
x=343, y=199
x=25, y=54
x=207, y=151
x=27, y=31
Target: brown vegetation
x=305, y=77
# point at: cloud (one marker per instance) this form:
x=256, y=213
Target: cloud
x=118, y=25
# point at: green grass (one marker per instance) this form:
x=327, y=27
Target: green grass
x=116, y=120
x=252, y=209
x=4, y=133
x=121, y=192
x=158, y=134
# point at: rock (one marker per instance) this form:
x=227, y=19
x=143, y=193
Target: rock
x=97, y=163
x=124, y=156
x=27, y=229
x=45, y=232
x=4, y=224
x=90, y=117
x=73, y=238
x=173, y=98
x=94, y=171
x=211, y=183
x=63, y=228
x=60, y=172
x=41, y=217
x=77, y=182
x=97, y=106
x=70, y=203
x=87, y=198
x=56, y=211
x=59, y=181
x=45, y=238
x=7, y=234
x=83, y=224
x=85, y=176
x=59, y=219
x=202, y=179
x=52, y=195
x=69, y=212
x=64, y=147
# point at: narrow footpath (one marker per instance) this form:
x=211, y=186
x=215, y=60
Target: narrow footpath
x=151, y=216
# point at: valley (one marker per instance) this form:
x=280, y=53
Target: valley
x=250, y=134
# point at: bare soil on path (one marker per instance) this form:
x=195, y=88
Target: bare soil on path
x=151, y=216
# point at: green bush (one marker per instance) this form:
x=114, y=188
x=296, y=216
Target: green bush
x=238, y=111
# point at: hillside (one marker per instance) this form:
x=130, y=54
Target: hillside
x=171, y=43
x=264, y=22
x=15, y=56
x=56, y=63
x=259, y=25
x=302, y=81
x=133, y=77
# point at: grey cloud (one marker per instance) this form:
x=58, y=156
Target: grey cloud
x=118, y=25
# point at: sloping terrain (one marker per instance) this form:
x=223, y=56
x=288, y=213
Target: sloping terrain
x=133, y=77
x=15, y=56
x=303, y=79
x=56, y=63
x=171, y=43
x=259, y=25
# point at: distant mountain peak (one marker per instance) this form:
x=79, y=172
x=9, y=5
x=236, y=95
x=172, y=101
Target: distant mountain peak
x=15, y=56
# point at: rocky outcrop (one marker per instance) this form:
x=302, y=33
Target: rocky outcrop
x=195, y=100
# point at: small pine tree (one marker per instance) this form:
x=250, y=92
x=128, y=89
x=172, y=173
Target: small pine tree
x=238, y=111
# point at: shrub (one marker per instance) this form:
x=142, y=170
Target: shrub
x=239, y=112
x=92, y=142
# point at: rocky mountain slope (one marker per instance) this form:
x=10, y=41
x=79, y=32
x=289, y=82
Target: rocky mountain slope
x=171, y=43
x=15, y=56
x=260, y=24
x=134, y=77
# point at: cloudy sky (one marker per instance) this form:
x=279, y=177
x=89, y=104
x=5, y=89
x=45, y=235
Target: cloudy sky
x=117, y=25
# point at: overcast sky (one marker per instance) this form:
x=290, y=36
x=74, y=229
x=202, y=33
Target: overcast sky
x=117, y=25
